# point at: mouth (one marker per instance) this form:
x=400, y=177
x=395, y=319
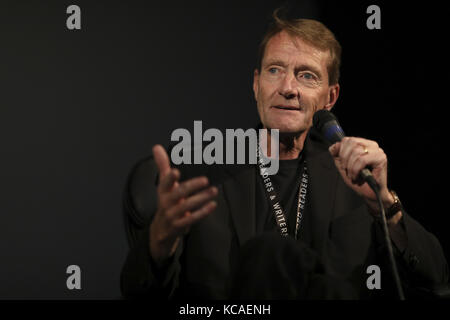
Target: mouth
x=289, y=108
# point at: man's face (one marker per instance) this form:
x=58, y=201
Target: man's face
x=292, y=84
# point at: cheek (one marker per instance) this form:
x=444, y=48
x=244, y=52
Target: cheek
x=311, y=103
x=314, y=100
x=308, y=99
x=267, y=90
x=323, y=98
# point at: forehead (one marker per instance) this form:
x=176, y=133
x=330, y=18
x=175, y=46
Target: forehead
x=285, y=47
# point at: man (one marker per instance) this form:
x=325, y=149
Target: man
x=214, y=233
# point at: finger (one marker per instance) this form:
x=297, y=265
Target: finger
x=355, y=157
x=355, y=170
x=364, y=142
x=376, y=159
x=193, y=202
x=167, y=182
x=162, y=160
x=372, y=159
x=347, y=147
x=334, y=149
x=195, y=216
x=353, y=144
x=188, y=187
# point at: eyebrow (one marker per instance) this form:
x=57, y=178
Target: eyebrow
x=302, y=67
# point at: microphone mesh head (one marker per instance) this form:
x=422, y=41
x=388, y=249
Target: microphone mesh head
x=322, y=117
x=326, y=123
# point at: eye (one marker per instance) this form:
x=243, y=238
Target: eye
x=273, y=70
x=308, y=76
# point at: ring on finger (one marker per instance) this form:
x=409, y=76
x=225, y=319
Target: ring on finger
x=366, y=151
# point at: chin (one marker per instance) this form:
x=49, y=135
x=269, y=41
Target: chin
x=286, y=127
x=286, y=123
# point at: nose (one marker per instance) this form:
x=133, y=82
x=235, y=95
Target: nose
x=288, y=88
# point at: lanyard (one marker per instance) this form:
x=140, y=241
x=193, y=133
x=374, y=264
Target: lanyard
x=275, y=204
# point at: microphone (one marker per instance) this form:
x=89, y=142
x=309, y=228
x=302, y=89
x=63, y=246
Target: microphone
x=327, y=124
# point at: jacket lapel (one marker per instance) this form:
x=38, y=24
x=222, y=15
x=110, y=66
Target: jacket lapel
x=239, y=190
x=323, y=180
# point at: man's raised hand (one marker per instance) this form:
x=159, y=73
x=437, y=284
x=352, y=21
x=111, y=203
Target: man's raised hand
x=180, y=204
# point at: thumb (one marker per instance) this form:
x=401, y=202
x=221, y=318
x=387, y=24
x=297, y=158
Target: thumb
x=334, y=149
x=162, y=160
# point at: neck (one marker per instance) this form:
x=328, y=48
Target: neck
x=291, y=144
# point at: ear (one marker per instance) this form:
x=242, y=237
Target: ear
x=333, y=94
x=256, y=83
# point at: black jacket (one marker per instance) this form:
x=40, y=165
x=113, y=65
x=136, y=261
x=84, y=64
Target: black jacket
x=345, y=240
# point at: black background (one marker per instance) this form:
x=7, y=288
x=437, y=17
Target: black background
x=79, y=108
